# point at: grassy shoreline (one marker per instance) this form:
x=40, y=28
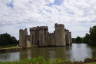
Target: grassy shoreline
x=41, y=60
x=9, y=48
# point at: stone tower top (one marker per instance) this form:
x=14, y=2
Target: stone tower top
x=39, y=28
x=24, y=31
x=59, y=25
x=44, y=27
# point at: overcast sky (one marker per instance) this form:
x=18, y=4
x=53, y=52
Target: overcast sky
x=77, y=15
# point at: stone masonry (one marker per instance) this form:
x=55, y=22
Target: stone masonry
x=39, y=36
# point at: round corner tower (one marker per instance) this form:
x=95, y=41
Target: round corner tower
x=22, y=38
x=60, y=35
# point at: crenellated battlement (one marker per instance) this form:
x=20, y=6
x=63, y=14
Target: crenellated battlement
x=59, y=25
x=39, y=28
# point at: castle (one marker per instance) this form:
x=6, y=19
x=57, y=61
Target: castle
x=39, y=36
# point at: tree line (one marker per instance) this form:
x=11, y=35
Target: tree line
x=89, y=38
x=6, y=40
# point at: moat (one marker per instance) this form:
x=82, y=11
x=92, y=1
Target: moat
x=77, y=52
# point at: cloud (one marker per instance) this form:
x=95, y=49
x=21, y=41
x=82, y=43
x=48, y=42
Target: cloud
x=77, y=15
x=56, y=2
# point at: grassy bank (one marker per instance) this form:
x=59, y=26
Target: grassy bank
x=6, y=48
x=41, y=60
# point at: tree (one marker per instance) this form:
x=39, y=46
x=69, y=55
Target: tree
x=74, y=40
x=78, y=40
x=93, y=35
x=7, y=39
x=89, y=38
x=86, y=39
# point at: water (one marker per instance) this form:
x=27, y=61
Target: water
x=77, y=52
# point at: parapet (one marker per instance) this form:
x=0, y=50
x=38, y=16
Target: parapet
x=66, y=30
x=44, y=27
x=33, y=29
x=21, y=30
x=59, y=25
x=39, y=28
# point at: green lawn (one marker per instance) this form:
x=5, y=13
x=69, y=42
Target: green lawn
x=9, y=47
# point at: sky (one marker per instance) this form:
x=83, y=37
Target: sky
x=77, y=15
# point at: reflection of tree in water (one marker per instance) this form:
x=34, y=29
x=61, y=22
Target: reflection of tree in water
x=11, y=56
x=93, y=52
x=4, y=56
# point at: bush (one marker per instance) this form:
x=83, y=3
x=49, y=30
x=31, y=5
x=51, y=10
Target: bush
x=6, y=39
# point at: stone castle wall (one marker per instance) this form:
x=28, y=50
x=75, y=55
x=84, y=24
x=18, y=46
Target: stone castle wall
x=40, y=36
x=51, y=39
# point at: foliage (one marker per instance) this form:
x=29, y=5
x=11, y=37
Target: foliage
x=41, y=60
x=88, y=38
x=91, y=63
x=77, y=40
x=93, y=35
x=38, y=60
x=6, y=39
